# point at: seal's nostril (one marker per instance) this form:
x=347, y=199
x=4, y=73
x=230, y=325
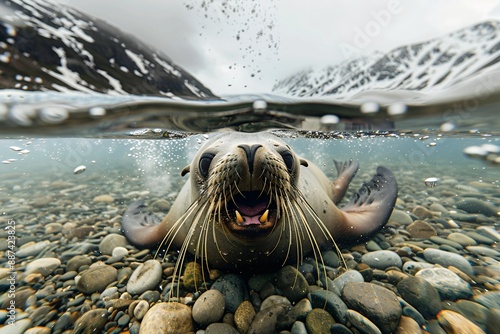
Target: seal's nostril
x=250, y=153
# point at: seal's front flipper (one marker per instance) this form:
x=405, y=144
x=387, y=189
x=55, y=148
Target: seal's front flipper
x=141, y=227
x=346, y=171
x=369, y=208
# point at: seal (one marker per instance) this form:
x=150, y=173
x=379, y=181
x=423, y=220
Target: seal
x=251, y=203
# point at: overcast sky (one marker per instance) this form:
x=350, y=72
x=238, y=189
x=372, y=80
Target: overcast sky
x=239, y=49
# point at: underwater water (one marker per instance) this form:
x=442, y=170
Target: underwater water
x=65, y=184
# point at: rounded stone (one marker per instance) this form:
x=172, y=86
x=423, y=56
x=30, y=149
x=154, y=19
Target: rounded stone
x=410, y=267
x=44, y=266
x=193, y=276
x=92, y=321
x=319, y=321
x=233, y=287
x=209, y=307
x=167, y=318
x=291, y=284
x=378, y=304
x=462, y=239
x=420, y=294
x=32, y=249
x=453, y=322
x=104, y=199
x=78, y=261
x=473, y=311
x=422, y=212
x=382, y=259
x=96, y=279
x=274, y=300
x=145, y=277
x=474, y=205
x=243, y=316
x=220, y=328
x=408, y=326
x=331, y=302
x=302, y=308
x=141, y=309
x=347, y=277
x=109, y=242
x=298, y=327
x=446, y=259
x=484, y=251
x=446, y=282
x=421, y=229
x=363, y=324
x=400, y=218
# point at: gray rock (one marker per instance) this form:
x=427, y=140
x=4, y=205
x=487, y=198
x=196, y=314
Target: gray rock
x=484, y=251
x=446, y=259
x=363, y=324
x=109, y=242
x=332, y=303
x=462, y=239
x=331, y=259
x=44, y=266
x=448, y=242
x=378, y=304
x=446, y=282
x=489, y=299
x=480, y=237
x=347, y=277
x=420, y=294
x=274, y=300
x=473, y=311
x=413, y=266
x=493, y=321
x=209, y=307
x=265, y=320
x=96, y=279
x=145, y=277
x=32, y=250
x=302, y=308
x=220, y=328
x=167, y=318
x=298, y=327
x=291, y=284
x=141, y=309
x=473, y=205
x=400, y=217
x=489, y=232
x=340, y=329
x=382, y=259
x=233, y=288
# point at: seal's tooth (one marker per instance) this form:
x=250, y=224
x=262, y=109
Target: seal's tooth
x=239, y=218
x=263, y=218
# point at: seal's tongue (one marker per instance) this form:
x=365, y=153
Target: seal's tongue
x=251, y=213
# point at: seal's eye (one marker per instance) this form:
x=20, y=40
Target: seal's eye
x=288, y=159
x=204, y=164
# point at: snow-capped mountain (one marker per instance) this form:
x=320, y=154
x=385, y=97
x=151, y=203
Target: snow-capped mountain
x=50, y=47
x=432, y=65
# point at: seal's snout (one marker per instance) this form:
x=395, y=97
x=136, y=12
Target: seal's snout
x=250, y=152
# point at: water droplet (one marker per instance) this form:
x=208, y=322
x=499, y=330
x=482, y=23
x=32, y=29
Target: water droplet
x=329, y=119
x=447, y=127
x=97, y=112
x=431, y=182
x=259, y=105
x=369, y=107
x=397, y=109
x=79, y=169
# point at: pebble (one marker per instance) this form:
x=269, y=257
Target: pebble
x=400, y=217
x=447, y=242
x=244, y=316
x=96, y=279
x=446, y=282
x=347, y=277
x=453, y=322
x=362, y=323
x=220, y=328
x=318, y=321
x=298, y=327
x=292, y=284
x=489, y=232
x=145, y=277
x=209, y=307
x=193, y=276
x=92, y=321
x=104, y=199
x=302, y=308
x=411, y=267
x=473, y=311
x=421, y=212
x=32, y=249
x=167, y=318
x=109, y=242
x=446, y=259
x=141, y=309
x=484, y=251
x=473, y=205
x=408, y=326
x=44, y=266
x=420, y=229
x=265, y=320
x=493, y=320
x=329, y=301
x=19, y=328
x=78, y=261
x=420, y=294
x=462, y=239
x=378, y=304
x=233, y=287
x=382, y=259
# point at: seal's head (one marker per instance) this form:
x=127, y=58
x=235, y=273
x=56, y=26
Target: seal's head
x=249, y=182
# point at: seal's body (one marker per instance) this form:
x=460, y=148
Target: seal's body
x=251, y=202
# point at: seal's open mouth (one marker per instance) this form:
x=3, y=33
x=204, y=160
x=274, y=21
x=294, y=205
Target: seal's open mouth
x=251, y=213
